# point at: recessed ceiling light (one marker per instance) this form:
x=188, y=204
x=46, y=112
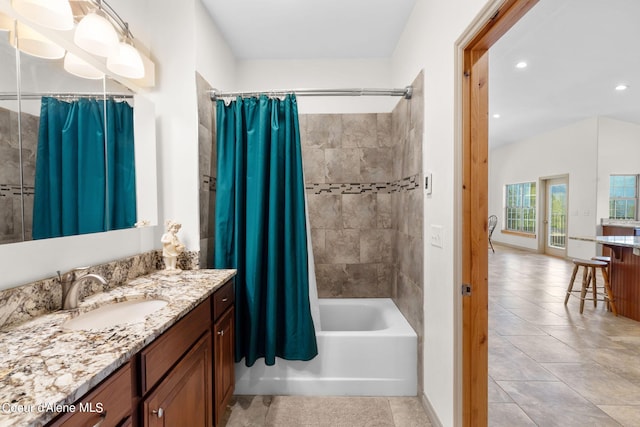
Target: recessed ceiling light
x=521, y=64
x=622, y=87
x=496, y=116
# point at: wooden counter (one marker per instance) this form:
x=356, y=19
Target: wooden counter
x=624, y=273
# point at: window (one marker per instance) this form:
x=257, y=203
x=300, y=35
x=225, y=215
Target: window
x=623, y=196
x=521, y=207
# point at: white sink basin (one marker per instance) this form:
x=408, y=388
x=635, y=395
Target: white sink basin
x=120, y=313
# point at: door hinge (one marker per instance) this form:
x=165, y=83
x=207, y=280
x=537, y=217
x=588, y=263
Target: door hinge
x=466, y=290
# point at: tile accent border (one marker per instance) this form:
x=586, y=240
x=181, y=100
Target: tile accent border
x=7, y=190
x=405, y=184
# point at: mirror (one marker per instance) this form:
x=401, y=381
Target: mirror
x=20, y=126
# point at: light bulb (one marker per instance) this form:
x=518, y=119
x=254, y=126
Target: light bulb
x=81, y=68
x=55, y=14
x=32, y=42
x=96, y=35
x=127, y=62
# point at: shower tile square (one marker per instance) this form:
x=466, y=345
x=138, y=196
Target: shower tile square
x=318, y=245
x=383, y=211
x=359, y=130
x=361, y=281
x=375, y=246
x=343, y=165
x=359, y=211
x=383, y=124
x=325, y=211
x=330, y=278
x=376, y=165
x=345, y=246
x=314, y=165
x=323, y=131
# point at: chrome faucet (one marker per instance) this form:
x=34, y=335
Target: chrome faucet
x=70, y=282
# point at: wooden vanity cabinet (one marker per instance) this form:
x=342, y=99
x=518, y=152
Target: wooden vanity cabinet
x=185, y=377
x=223, y=348
x=183, y=398
x=108, y=405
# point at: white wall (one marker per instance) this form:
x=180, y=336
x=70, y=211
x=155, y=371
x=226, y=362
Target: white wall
x=178, y=34
x=428, y=42
x=327, y=74
x=618, y=154
x=571, y=150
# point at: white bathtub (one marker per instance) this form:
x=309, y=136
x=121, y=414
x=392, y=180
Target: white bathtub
x=365, y=348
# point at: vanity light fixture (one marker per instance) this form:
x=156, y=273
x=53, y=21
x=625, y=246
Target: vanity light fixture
x=127, y=61
x=96, y=34
x=32, y=42
x=521, y=65
x=55, y=14
x=81, y=68
x=6, y=22
x=622, y=87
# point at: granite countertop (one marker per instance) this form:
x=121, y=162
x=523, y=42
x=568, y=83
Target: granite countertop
x=620, y=222
x=43, y=363
x=622, y=241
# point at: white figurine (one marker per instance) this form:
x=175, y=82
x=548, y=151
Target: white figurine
x=171, y=246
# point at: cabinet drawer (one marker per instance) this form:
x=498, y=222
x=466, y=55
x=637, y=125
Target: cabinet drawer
x=166, y=350
x=108, y=404
x=223, y=298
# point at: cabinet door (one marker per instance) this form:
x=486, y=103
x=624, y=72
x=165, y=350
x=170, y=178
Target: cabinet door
x=107, y=405
x=224, y=373
x=183, y=398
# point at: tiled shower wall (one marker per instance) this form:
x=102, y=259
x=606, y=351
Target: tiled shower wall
x=207, y=170
x=11, y=198
x=363, y=177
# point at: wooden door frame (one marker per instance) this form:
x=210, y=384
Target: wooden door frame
x=472, y=136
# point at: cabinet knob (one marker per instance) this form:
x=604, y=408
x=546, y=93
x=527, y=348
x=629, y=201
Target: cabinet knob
x=158, y=412
x=221, y=332
x=225, y=299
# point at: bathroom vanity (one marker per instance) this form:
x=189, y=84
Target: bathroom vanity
x=174, y=368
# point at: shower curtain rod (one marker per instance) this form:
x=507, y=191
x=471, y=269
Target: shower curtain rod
x=406, y=92
x=12, y=96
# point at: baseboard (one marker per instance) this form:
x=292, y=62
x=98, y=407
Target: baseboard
x=431, y=413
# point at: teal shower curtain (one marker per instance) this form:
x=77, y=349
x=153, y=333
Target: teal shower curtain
x=260, y=227
x=74, y=164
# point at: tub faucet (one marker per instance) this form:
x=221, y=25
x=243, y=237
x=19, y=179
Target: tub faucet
x=70, y=282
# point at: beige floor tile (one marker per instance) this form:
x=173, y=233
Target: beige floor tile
x=561, y=415
x=508, y=415
x=627, y=416
x=544, y=348
x=247, y=411
x=541, y=393
x=408, y=412
x=313, y=411
x=596, y=383
x=497, y=394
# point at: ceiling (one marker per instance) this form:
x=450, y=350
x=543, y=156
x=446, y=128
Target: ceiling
x=577, y=51
x=310, y=29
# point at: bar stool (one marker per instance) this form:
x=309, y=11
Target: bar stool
x=589, y=276
x=606, y=259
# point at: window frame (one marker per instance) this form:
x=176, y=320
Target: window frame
x=526, y=212
x=634, y=199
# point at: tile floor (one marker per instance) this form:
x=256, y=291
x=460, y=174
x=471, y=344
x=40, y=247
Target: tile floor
x=548, y=364
x=327, y=411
